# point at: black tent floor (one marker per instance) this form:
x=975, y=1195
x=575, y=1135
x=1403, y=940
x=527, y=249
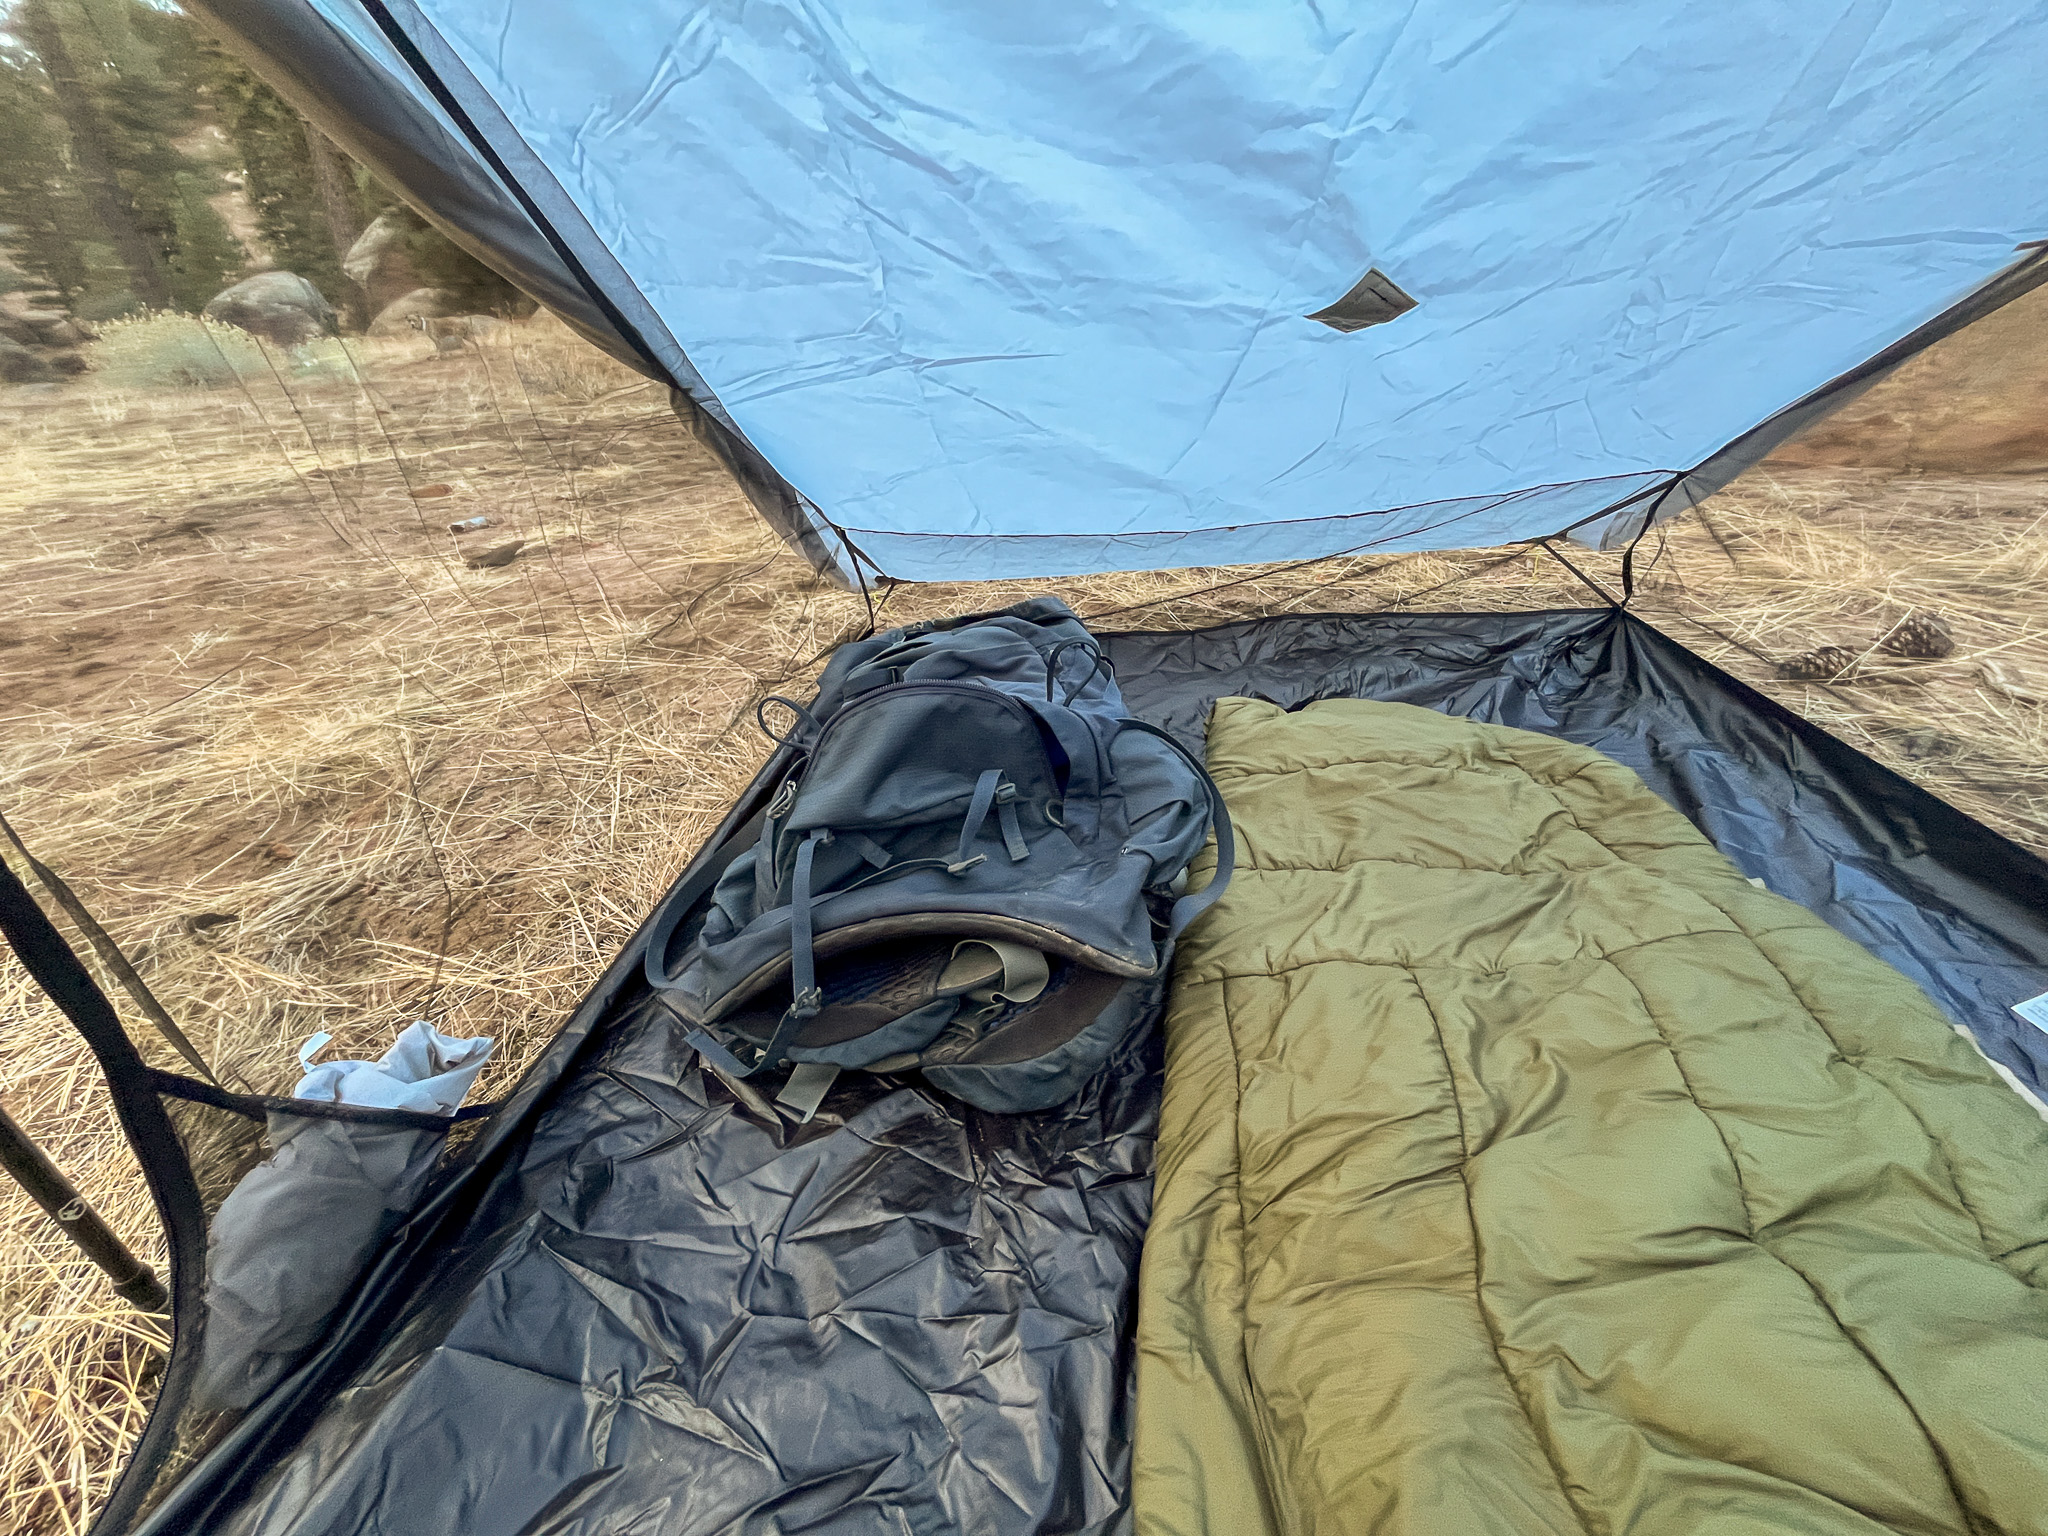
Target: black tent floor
x=643, y=1302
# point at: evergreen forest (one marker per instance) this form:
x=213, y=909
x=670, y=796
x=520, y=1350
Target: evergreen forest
x=143, y=168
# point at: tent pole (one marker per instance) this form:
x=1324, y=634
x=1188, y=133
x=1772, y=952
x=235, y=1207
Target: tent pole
x=133, y=1280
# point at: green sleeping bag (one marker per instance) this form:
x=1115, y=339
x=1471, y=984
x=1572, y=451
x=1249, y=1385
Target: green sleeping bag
x=1525, y=1169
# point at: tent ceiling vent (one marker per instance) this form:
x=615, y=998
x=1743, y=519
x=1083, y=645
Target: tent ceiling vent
x=1375, y=299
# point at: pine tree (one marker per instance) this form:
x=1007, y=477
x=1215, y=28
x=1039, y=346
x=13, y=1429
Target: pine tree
x=106, y=180
x=92, y=155
x=282, y=182
x=115, y=212
x=37, y=196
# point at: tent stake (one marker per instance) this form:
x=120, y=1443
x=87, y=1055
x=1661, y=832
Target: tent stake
x=133, y=1280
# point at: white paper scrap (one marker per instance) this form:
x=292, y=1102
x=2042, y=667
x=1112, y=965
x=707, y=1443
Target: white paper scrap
x=2034, y=1010
x=424, y=1070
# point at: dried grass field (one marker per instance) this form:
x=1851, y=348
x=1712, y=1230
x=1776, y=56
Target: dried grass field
x=316, y=771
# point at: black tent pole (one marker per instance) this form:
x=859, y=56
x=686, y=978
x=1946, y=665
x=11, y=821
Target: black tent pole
x=134, y=1280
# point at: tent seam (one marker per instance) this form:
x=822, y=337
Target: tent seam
x=1493, y=1337
x=1757, y=1241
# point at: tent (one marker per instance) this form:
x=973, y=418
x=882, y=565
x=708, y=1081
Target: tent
x=1085, y=289
x=975, y=296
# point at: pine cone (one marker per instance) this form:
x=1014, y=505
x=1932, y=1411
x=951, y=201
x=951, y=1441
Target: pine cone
x=1822, y=664
x=1921, y=634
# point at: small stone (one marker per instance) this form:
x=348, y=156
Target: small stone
x=64, y=332
x=1924, y=744
x=2014, y=682
x=495, y=556
x=199, y=922
x=18, y=365
x=429, y=492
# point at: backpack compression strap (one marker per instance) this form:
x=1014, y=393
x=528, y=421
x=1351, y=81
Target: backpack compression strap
x=992, y=792
x=806, y=1001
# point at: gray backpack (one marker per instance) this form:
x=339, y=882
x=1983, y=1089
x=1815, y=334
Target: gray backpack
x=975, y=868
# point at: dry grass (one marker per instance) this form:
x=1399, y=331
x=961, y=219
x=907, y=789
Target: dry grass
x=250, y=677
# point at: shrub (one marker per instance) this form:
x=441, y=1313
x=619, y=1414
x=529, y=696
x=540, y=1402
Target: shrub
x=171, y=351
x=98, y=308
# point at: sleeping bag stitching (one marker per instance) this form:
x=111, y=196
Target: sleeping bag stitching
x=1856, y=1062
x=1493, y=767
x=1537, y=1431
x=1268, y=1452
x=1394, y=963
x=1763, y=1245
x=1810, y=1009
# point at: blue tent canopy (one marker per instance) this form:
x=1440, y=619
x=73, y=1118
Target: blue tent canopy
x=987, y=291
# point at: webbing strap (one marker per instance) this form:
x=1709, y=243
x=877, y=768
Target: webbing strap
x=809, y=1082
x=1195, y=903
x=806, y=1000
x=977, y=813
x=1006, y=818
x=803, y=972
x=867, y=848
x=110, y=955
x=1024, y=975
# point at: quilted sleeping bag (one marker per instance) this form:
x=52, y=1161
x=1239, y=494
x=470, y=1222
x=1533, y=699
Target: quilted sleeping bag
x=1525, y=1169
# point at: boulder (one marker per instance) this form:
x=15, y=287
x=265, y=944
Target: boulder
x=17, y=330
x=422, y=304
x=379, y=263
x=18, y=365
x=281, y=307
x=68, y=363
x=65, y=332
x=46, y=328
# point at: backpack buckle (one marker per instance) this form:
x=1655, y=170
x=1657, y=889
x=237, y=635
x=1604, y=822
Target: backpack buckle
x=808, y=1003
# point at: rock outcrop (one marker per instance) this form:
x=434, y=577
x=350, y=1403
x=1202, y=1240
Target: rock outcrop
x=39, y=344
x=379, y=262
x=281, y=307
x=19, y=365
